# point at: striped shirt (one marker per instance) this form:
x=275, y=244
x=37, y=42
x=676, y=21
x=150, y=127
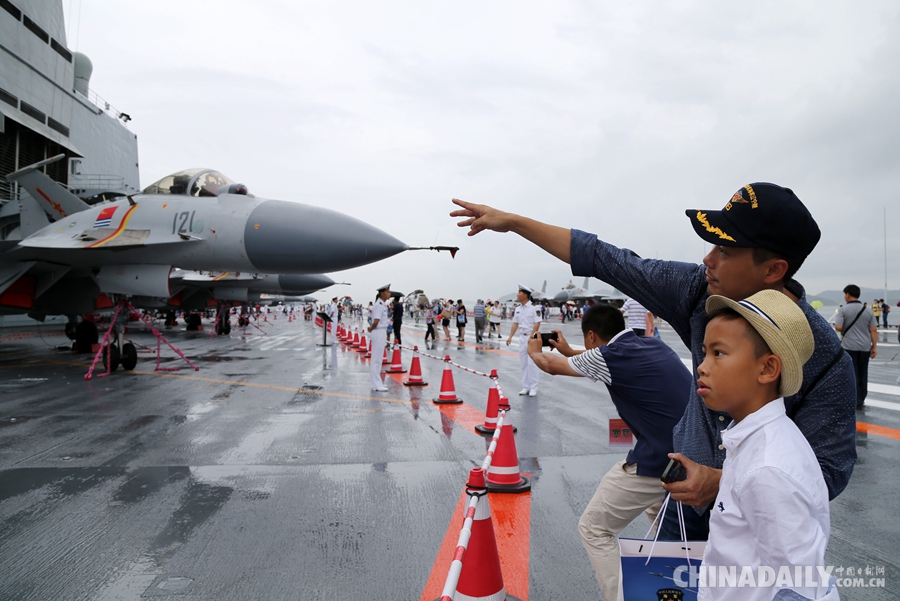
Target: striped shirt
x=636, y=314
x=478, y=310
x=592, y=364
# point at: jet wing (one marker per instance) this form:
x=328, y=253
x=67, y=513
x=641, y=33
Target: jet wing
x=106, y=238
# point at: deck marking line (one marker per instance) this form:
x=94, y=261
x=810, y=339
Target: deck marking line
x=465, y=415
x=878, y=430
x=271, y=387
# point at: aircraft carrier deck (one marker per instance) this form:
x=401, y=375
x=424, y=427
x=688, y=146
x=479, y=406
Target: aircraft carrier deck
x=274, y=473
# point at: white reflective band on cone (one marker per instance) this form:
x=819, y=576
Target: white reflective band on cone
x=505, y=470
x=500, y=596
x=482, y=511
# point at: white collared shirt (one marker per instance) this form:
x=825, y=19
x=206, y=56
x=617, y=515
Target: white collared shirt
x=526, y=316
x=380, y=312
x=772, y=507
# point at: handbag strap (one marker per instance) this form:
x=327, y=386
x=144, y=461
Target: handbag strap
x=681, y=527
x=847, y=329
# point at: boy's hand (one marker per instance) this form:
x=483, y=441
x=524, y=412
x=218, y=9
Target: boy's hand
x=561, y=345
x=699, y=488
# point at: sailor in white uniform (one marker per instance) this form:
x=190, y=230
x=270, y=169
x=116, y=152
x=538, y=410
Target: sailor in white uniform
x=378, y=331
x=526, y=321
x=332, y=312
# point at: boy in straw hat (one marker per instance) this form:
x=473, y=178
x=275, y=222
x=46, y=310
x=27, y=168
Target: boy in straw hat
x=771, y=513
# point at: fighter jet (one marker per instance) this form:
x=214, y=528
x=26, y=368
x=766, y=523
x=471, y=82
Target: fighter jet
x=579, y=296
x=195, y=220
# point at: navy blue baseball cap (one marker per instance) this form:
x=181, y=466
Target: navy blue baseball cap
x=760, y=215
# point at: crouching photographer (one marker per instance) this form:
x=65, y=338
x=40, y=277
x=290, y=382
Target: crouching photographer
x=649, y=386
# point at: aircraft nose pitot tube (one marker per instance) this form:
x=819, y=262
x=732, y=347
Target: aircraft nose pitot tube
x=289, y=237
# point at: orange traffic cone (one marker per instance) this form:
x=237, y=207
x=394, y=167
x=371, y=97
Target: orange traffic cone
x=363, y=346
x=481, y=576
x=504, y=475
x=369, y=351
x=384, y=359
x=415, y=372
x=396, y=363
x=491, y=413
x=355, y=342
x=448, y=388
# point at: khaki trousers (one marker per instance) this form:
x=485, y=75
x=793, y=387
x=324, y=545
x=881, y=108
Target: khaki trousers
x=620, y=498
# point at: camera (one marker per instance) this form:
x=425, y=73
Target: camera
x=546, y=338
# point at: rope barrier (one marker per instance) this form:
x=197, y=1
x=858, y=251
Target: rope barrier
x=462, y=545
x=462, y=367
x=492, y=375
x=495, y=439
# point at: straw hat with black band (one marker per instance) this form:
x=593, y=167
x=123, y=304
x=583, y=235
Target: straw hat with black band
x=782, y=325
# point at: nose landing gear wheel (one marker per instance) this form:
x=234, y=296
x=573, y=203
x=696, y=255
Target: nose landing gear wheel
x=113, y=358
x=129, y=356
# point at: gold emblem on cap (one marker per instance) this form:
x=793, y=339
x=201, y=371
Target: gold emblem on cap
x=754, y=204
x=701, y=217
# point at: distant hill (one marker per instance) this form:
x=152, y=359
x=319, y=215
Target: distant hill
x=836, y=297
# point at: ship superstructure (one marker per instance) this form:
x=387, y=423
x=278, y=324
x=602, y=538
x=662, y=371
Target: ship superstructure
x=47, y=108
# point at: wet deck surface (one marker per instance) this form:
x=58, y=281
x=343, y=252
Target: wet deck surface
x=274, y=473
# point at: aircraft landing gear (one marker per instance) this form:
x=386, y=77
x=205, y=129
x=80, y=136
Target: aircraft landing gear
x=223, y=320
x=116, y=351
x=85, y=336
x=111, y=357
x=129, y=356
x=193, y=322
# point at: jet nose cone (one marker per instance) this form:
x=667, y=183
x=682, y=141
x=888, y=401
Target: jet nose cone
x=560, y=297
x=290, y=237
x=303, y=284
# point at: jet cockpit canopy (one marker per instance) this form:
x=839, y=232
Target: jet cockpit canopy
x=196, y=182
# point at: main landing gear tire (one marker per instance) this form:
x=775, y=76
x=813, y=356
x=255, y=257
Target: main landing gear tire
x=223, y=328
x=129, y=357
x=85, y=336
x=113, y=358
x=71, y=327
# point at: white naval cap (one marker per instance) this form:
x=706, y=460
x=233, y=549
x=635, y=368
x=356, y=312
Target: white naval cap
x=383, y=288
x=524, y=288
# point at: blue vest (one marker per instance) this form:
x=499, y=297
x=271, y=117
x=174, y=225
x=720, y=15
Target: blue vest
x=650, y=389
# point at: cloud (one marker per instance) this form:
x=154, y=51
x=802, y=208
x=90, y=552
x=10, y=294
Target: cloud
x=609, y=117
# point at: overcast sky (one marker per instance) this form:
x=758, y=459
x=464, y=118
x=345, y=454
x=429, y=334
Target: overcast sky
x=609, y=117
